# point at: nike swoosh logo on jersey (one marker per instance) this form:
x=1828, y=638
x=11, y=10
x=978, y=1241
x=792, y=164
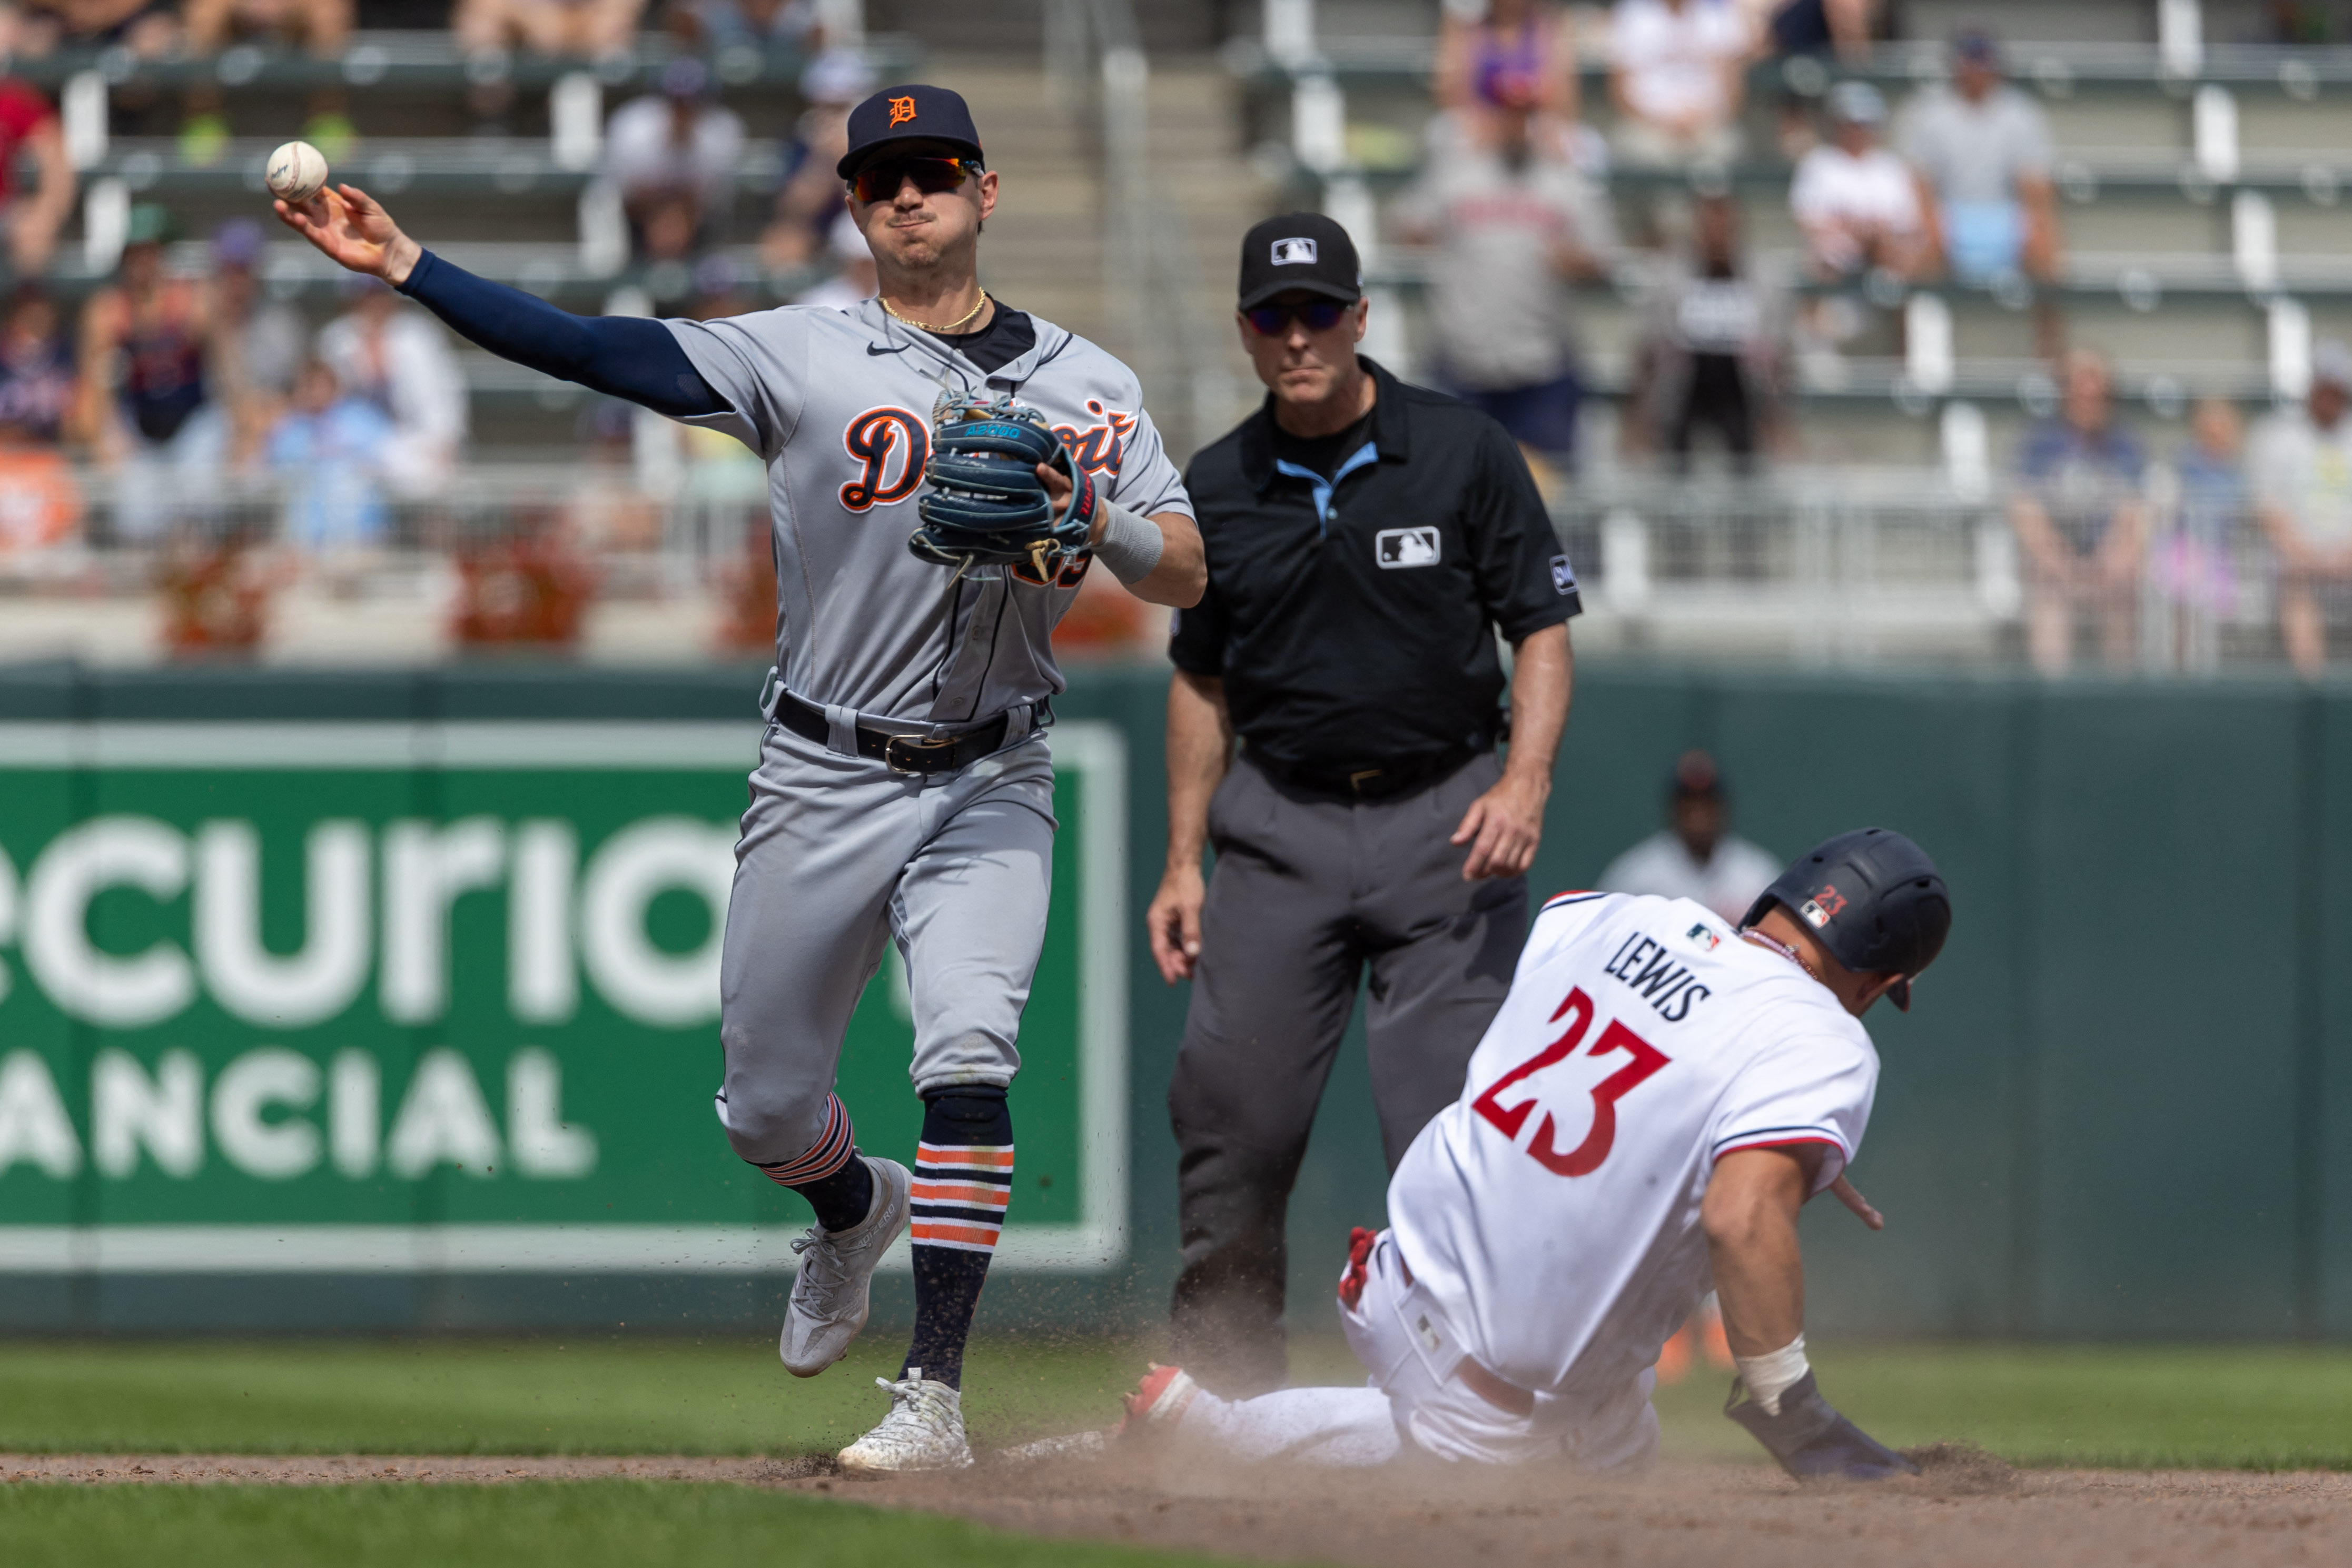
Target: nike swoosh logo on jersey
x=872, y=349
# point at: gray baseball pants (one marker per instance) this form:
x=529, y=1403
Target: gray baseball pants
x=838, y=855
x=1308, y=891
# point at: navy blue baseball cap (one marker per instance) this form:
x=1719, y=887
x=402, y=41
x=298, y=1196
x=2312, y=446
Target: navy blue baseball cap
x=913, y=113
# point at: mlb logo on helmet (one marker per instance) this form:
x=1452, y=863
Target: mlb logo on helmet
x=902, y=109
x=1822, y=907
x=1300, y=252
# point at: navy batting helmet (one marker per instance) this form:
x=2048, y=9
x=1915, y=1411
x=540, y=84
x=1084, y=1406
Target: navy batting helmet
x=1873, y=898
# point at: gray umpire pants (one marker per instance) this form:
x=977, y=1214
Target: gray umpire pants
x=1307, y=891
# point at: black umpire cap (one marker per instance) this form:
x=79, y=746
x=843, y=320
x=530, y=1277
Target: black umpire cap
x=911, y=113
x=1874, y=900
x=1299, y=250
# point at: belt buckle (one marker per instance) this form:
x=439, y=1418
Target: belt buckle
x=890, y=757
x=1356, y=779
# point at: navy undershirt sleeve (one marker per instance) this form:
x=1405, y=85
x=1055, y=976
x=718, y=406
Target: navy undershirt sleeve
x=626, y=356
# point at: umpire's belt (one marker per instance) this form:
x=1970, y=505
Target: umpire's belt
x=1363, y=783
x=903, y=753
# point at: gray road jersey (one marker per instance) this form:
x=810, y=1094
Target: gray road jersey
x=838, y=402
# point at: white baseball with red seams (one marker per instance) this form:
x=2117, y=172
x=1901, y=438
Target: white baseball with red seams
x=296, y=172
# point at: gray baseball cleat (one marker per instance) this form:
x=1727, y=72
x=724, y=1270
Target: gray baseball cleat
x=924, y=1431
x=834, y=1289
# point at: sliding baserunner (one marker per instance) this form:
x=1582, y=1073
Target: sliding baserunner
x=904, y=791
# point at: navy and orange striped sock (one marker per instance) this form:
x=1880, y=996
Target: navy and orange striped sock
x=964, y=1180
x=836, y=1183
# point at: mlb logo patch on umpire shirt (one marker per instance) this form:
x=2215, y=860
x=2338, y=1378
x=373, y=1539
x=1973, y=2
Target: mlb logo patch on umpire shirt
x=1395, y=548
x=1563, y=576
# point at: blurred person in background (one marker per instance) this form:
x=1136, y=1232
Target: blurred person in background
x=1675, y=76
x=592, y=27
x=813, y=196
x=330, y=450
x=855, y=281
x=1696, y=855
x=323, y=28
x=144, y=28
x=1713, y=350
x=36, y=368
x=1856, y=201
x=758, y=23
x=149, y=350
x=1984, y=151
x=1513, y=229
x=40, y=504
x=386, y=350
x=260, y=342
x=2300, y=468
x=2078, y=505
x=1491, y=52
x=30, y=132
x=2194, y=565
x=674, y=151
x=1790, y=27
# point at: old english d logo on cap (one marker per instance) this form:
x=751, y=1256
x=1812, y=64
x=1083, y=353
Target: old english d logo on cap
x=902, y=109
x=1294, y=253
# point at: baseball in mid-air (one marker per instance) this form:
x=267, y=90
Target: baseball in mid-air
x=296, y=172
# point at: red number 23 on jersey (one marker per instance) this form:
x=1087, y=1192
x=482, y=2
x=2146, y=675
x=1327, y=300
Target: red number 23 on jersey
x=1586, y=1157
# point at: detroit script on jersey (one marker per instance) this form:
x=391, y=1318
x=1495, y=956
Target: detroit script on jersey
x=1553, y=1211
x=836, y=402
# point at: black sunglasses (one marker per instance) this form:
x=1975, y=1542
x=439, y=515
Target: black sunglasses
x=880, y=180
x=1273, y=321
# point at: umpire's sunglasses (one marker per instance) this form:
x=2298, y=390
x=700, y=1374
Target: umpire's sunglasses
x=1274, y=320
x=881, y=180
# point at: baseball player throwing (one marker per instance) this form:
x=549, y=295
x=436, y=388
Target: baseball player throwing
x=1659, y=1096
x=904, y=791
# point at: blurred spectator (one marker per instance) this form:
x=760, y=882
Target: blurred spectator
x=330, y=450
x=1696, y=856
x=146, y=403
x=2300, y=469
x=31, y=219
x=813, y=196
x=2077, y=505
x=399, y=359
x=142, y=27
x=323, y=27
x=261, y=342
x=856, y=281
x=2192, y=566
x=674, y=148
x=1856, y=201
x=41, y=504
x=1786, y=27
x=1675, y=77
x=757, y=23
x=1491, y=52
x=591, y=27
x=37, y=369
x=1512, y=229
x=1713, y=348
x=1982, y=150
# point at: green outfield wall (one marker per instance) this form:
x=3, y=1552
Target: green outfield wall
x=387, y=1001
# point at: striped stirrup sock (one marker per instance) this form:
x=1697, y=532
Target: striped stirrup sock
x=836, y=1183
x=964, y=1180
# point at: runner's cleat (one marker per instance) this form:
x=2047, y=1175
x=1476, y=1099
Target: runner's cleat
x=924, y=1431
x=834, y=1289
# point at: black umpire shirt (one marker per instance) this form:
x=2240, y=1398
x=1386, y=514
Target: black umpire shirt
x=1353, y=619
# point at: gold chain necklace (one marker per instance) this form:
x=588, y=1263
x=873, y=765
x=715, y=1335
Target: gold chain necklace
x=945, y=332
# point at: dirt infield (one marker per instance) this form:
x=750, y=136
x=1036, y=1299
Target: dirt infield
x=1966, y=1510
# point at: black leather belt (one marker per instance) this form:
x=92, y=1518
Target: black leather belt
x=902, y=753
x=1364, y=783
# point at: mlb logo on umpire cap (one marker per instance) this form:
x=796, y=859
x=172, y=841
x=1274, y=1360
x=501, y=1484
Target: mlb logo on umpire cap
x=1298, y=251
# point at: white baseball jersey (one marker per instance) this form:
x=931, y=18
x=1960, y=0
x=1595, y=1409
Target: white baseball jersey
x=838, y=402
x=1552, y=1212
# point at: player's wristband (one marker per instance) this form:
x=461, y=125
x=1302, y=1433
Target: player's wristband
x=1769, y=1376
x=1130, y=545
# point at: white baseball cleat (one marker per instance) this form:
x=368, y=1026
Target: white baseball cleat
x=924, y=1431
x=834, y=1289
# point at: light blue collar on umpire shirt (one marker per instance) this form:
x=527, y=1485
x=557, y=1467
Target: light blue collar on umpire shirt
x=1368, y=452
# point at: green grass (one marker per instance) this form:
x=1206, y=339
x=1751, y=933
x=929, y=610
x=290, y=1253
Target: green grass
x=565, y=1524
x=2222, y=1406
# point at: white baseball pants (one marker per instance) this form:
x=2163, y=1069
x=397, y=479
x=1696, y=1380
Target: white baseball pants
x=1405, y=1405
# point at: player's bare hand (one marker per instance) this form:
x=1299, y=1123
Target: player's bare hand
x=1056, y=483
x=1175, y=922
x=1503, y=828
x=1861, y=1205
x=352, y=229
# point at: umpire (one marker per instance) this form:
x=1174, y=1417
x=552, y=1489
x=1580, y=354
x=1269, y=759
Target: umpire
x=1366, y=540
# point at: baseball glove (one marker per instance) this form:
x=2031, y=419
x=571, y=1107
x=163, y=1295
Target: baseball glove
x=986, y=505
